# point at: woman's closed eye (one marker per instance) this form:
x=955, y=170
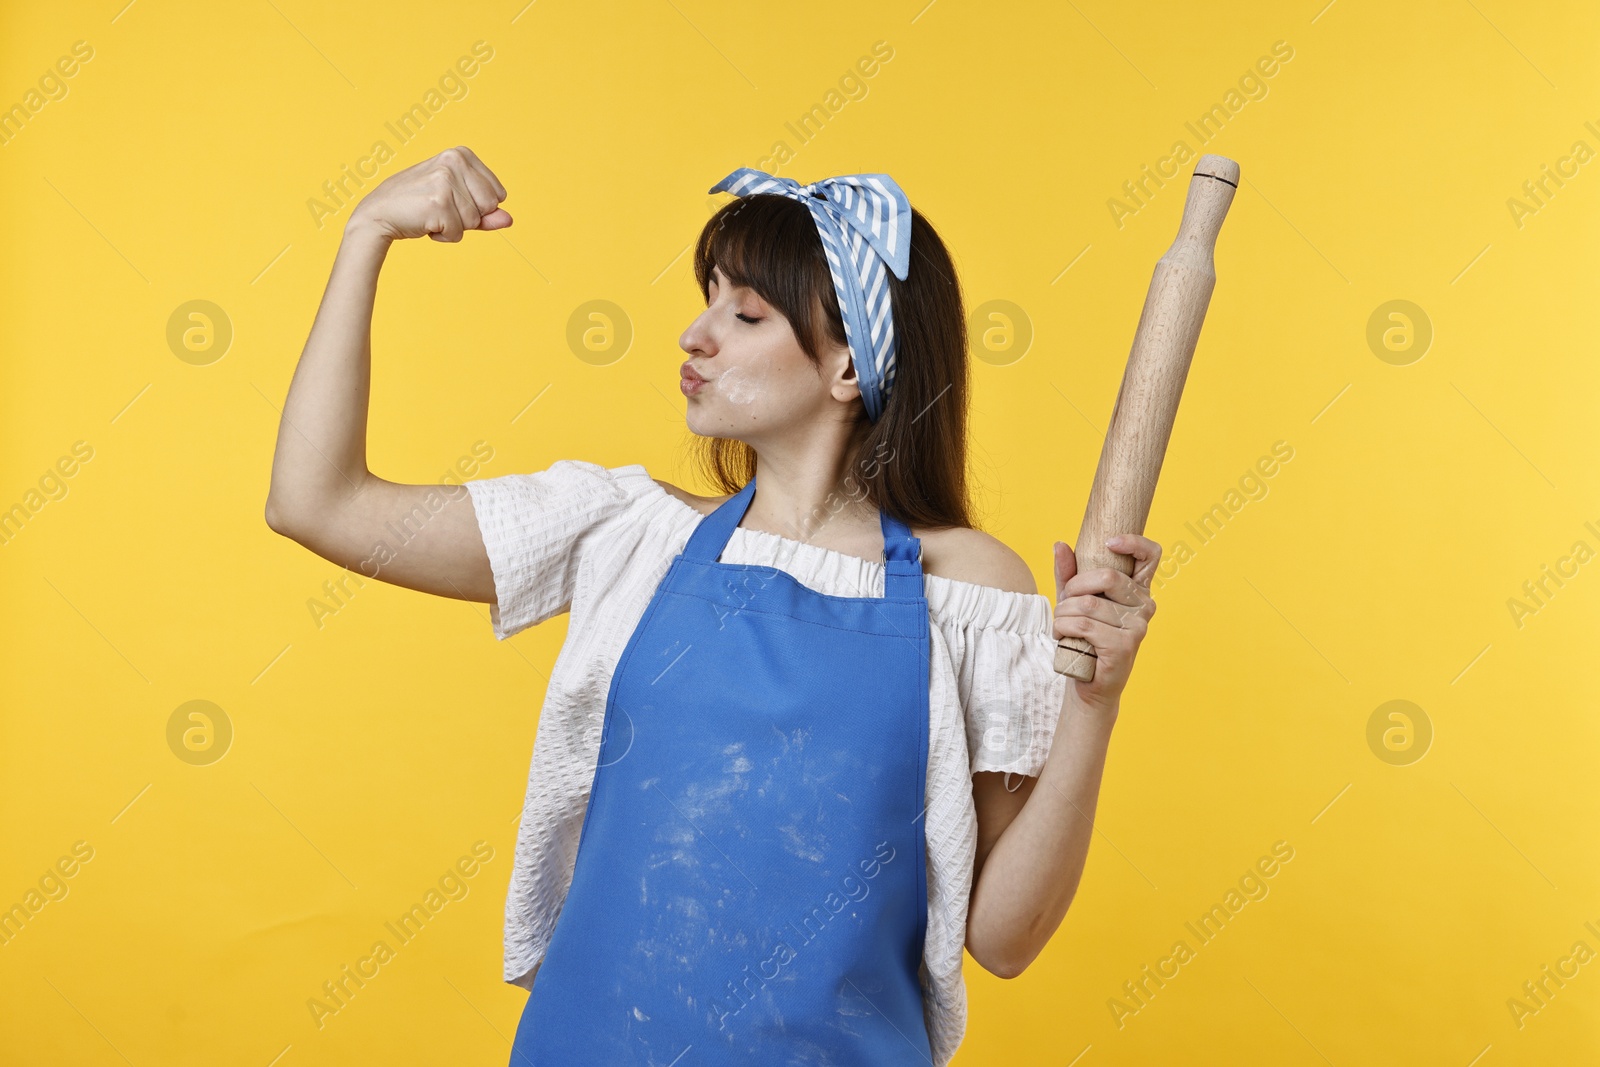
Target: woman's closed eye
x=741, y=316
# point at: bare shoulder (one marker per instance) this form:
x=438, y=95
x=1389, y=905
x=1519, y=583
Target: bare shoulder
x=968, y=555
x=705, y=505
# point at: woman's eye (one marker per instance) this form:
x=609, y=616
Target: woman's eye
x=745, y=318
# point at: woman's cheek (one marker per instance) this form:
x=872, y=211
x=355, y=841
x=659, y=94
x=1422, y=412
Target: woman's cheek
x=740, y=386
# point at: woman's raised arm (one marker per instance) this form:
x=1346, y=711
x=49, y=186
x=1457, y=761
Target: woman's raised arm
x=322, y=494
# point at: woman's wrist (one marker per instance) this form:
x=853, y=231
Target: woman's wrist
x=364, y=232
x=1090, y=713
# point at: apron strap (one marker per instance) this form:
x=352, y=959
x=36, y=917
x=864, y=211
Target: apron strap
x=902, y=553
x=711, y=533
x=902, y=560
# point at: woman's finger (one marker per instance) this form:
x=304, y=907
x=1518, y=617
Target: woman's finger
x=1106, y=638
x=1109, y=582
x=1146, y=552
x=1136, y=545
x=447, y=216
x=481, y=168
x=1099, y=608
x=474, y=178
x=1066, y=565
x=466, y=203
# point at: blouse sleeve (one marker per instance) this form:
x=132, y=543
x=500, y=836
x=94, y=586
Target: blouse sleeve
x=534, y=528
x=1004, y=649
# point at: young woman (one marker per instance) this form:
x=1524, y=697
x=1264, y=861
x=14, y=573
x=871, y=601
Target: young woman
x=804, y=742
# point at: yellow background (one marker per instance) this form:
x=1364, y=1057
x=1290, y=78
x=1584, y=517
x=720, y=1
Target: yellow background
x=368, y=754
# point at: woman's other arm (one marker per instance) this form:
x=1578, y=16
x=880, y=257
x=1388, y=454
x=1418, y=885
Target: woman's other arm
x=322, y=495
x=1033, y=841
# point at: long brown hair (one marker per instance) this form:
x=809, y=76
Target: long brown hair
x=911, y=463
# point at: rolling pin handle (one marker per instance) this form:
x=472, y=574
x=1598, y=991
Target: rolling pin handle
x=1075, y=658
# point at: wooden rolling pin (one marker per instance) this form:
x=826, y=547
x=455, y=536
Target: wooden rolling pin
x=1152, y=385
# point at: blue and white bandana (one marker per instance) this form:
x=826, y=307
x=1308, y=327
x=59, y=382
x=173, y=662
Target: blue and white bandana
x=865, y=224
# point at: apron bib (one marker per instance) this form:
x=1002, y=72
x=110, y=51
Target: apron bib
x=750, y=882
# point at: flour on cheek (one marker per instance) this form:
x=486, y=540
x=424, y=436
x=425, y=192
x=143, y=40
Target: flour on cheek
x=741, y=385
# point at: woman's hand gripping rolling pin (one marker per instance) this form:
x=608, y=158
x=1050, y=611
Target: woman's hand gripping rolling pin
x=1109, y=610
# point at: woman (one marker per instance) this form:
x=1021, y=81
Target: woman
x=789, y=759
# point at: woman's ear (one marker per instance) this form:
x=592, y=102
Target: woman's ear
x=846, y=386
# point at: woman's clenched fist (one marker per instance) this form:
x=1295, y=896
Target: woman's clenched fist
x=442, y=197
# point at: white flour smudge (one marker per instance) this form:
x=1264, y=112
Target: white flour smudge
x=741, y=386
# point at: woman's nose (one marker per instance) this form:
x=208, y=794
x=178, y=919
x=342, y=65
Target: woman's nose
x=696, y=339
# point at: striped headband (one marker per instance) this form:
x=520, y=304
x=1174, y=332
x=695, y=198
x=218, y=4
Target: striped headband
x=865, y=224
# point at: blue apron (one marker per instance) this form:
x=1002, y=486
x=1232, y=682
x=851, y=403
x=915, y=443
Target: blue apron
x=750, y=882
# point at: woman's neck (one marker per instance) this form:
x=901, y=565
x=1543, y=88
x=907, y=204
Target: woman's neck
x=811, y=496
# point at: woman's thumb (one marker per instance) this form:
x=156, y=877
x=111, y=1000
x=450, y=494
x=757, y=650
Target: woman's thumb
x=1066, y=564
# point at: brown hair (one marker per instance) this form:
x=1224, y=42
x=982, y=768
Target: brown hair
x=911, y=463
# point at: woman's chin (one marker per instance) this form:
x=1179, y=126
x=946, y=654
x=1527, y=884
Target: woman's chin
x=697, y=421
x=705, y=424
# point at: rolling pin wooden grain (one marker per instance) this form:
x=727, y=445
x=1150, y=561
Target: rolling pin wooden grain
x=1152, y=385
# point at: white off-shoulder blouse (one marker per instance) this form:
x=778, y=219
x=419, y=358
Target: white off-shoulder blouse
x=599, y=540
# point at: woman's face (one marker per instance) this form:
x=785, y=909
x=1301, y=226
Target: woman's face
x=759, y=381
